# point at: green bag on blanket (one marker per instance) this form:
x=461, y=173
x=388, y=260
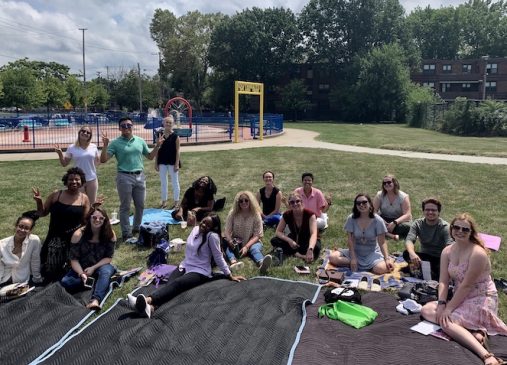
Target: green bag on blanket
x=353, y=314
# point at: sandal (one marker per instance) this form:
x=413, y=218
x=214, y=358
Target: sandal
x=363, y=284
x=94, y=305
x=484, y=338
x=375, y=285
x=490, y=355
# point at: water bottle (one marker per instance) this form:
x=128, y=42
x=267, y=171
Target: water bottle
x=279, y=255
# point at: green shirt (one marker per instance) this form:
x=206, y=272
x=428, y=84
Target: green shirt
x=128, y=153
x=433, y=238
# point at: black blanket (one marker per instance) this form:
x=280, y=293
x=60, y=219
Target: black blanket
x=222, y=322
x=388, y=340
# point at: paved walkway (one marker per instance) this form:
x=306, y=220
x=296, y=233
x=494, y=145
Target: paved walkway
x=292, y=138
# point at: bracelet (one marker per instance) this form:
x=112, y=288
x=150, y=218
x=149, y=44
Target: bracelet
x=441, y=302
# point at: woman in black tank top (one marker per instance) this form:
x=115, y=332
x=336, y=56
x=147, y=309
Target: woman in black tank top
x=270, y=198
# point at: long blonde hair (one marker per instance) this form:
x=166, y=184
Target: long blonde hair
x=253, y=206
x=77, y=143
x=474, y=233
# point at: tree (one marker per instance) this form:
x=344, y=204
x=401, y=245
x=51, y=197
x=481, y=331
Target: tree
x=21, y=88
x=184, y=44
x=294, y=97
x=382, y=86
x=98, y=97
x=74, y=90
x=54, y=94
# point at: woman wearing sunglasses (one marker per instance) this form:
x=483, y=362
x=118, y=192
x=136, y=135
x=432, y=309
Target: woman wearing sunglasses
x=243, y=233
x=302, y=240
x=393, y=205
x=472, y=313
x=91, y=253
x=366, y=240
x=86, y=156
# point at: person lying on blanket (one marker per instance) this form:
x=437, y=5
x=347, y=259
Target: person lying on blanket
x=91, y=253
x=366, y=240
x=472, y=313
x=203, y=246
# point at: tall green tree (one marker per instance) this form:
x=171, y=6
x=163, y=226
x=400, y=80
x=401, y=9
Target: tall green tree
x=98, y=96
x=294, y=97
x=74, y=89
x=184, y=45
x=54, y=92
x=21, y=88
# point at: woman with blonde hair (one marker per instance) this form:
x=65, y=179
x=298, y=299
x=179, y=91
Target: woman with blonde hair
x=86, y=156
x=168, y=161
x=472, y=313
x=243, y=231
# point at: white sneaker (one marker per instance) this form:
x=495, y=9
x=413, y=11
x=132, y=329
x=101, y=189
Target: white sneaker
x=237, y=266
x=265, y=264
x=142, y=307
x=131, y=301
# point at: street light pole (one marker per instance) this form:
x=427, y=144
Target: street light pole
x=485, y=58
x=85, y=96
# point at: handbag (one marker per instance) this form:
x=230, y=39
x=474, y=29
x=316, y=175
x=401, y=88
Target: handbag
x=345, y=294
x=330, y=275
x=352, y=314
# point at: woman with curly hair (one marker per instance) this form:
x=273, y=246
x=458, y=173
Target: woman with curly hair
x=472, y=313
x=197, y=201
x=67, y=209
x=91, y=253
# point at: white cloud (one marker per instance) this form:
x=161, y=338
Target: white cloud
x=117, y=32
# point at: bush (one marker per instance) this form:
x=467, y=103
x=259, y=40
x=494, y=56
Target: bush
x=419, y=101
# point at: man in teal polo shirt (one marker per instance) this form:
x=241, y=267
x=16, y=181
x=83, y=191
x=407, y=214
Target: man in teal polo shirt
x=130, y=180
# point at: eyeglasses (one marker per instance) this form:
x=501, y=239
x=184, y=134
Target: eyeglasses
x=362, y=202
x=23, y=227
x=85, y=132
x=387, y=182
x=126, y=126
x=243, y=201
x=294, y=202
x=460, y=228
x=96, y=218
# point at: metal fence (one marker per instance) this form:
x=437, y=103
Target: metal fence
x=33, y=132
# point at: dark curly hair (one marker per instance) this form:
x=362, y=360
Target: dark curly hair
x=74, y=171
x=31, y=214
x=210, y=187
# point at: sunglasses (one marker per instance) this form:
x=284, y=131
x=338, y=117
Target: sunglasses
x=460, y=228
x=243, y=201
x=362, y=202
x=100, y=219
x=387, y=182
x=85, y=132
x=126, y=126
x=294, y=202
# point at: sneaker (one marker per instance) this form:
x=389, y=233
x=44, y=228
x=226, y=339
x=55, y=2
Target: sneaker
x=265, y=264
x=237, y=266
x=131, y=241
x=142, y=307
x=131, y=300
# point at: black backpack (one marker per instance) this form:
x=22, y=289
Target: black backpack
x=346, y=294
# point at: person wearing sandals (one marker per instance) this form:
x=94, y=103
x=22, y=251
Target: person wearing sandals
x=197, y=201
x=243, y=228
x=302, y=241
x=393, y=205
x=68, y=210
x=168, y=161
x=86, y=156
x=20, y=254
x=366, y=240
x=91, y=253
x=270, y=197
x=472, y=313
x=202, y=248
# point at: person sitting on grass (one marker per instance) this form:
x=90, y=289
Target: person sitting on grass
x=243, y=233
x=472, y=313
x=302, y=241
x=91, y=253
x=197, y=201
x=20, y=254
x=270, y=197
x=313, y=199
x=202, y=248
x=393, y=205
x=366, y=240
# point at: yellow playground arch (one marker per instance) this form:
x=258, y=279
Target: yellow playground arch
x=248, y=88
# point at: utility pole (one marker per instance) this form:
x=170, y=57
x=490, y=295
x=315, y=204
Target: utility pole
x=485, y=58
x=140, y=89
x=161, y=92
x=85, y=96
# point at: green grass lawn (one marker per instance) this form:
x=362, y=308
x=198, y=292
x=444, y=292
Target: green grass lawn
x=460, y=186
x=402, y=137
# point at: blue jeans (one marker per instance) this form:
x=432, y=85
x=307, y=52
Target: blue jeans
x=102, y=277
x=255, y=253
x=272, y=220
x=131, y=187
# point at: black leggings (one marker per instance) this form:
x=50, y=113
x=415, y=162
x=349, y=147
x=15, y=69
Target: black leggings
x=178, y=282
x=289, y=251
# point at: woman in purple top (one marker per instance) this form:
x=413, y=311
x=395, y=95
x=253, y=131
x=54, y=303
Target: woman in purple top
x=203, y=246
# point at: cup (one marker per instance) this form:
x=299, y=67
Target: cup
x=178, y=247
x=114, y=216
x=183, y=224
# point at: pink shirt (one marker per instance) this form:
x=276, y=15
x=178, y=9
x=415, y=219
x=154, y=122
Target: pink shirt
x=315, y=202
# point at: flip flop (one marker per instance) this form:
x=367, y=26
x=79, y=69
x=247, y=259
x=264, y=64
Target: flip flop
x=363, y=283
x=375, y=285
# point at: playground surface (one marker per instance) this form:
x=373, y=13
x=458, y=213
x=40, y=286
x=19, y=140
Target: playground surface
x=290, y=138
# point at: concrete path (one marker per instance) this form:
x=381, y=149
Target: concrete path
x=292, y=138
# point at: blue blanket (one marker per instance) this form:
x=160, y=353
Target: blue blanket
x=156, y=215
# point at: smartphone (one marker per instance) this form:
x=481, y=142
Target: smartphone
x=302, y=269
x=89, y=282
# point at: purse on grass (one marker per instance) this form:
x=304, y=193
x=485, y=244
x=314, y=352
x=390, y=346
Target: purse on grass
x=352, y=314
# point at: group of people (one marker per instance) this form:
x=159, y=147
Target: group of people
x=80, y=242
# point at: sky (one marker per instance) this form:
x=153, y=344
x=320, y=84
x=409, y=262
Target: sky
x=117, y=35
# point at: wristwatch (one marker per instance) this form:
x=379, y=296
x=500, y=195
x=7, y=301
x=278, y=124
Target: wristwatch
x=441, y=302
